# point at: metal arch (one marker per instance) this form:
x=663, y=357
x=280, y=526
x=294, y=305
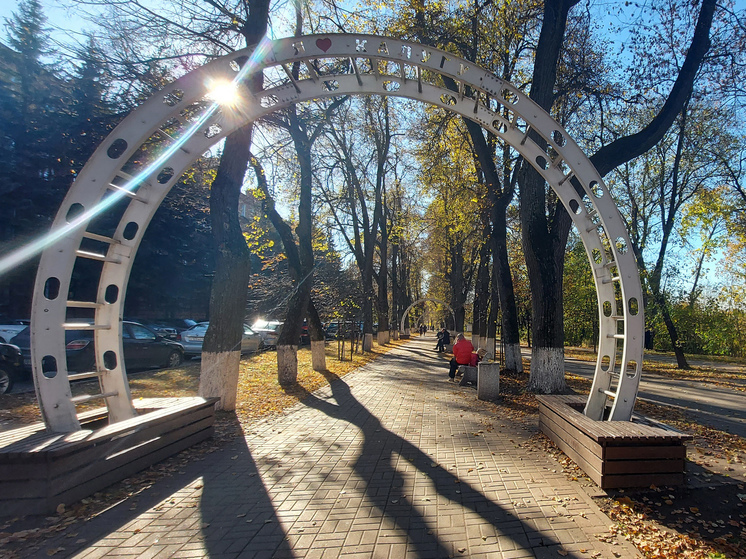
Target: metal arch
x=133, y=170
x=409, y=308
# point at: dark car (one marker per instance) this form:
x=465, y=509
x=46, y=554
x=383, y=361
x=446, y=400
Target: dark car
x=143, y=349
x=11, y=366
x=178, y=324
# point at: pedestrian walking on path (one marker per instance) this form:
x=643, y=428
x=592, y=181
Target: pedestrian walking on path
x=381, y=463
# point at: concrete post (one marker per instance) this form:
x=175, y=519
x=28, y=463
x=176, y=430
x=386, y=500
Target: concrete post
x=488, y=381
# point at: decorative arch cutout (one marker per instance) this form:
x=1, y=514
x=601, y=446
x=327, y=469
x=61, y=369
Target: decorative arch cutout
x=417, y=302
x=354, y=65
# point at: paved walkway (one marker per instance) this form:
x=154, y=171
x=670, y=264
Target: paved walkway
x=392, y=462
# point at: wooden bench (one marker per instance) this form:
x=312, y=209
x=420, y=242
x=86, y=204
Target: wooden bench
x=614, y=454
x=41, y=470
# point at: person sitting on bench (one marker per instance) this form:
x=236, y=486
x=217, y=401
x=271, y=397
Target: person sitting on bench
x=462, y=351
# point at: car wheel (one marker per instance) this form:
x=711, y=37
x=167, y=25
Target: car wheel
x=6, y=381
x=174, y=359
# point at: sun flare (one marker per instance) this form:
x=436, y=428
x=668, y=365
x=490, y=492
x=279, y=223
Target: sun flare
x=223, y=92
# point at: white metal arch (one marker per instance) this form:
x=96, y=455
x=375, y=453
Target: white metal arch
x=132, y=171
x=417, y=302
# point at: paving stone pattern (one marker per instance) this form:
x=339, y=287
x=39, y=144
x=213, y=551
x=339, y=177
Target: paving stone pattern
x=392, y=461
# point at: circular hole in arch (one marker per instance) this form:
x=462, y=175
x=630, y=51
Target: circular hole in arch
x=448, y=99
x=51, y=288
x=605, y=362
x=597, y=258
x=596, y=189
x=607, y=308
x=111, y=294
x=213, y=130
x=510, y=96
x=389, y=85
x=631, y=371
x=74, y=212
x=633, y=306
x=542, y=162
x=166, y=174
x=621, y=245
x=558, y=138
x=500, y=126
x=130, y=230
x=49, y=366
x=117, y=148
x=110, y=360
x=575, y=207
x=173, y=98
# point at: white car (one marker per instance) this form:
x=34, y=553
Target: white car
x=269, y=330
x=191, y=340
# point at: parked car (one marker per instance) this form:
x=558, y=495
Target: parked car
x=162, y=329
x=11, y=366
x=10, y=328
x=342, y=327
x=269, y=330
x=143, y=348
x=191, y=340
x=178, y=324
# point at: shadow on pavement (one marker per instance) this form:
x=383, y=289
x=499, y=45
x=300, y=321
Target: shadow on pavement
x=235, y=513
x=376, y=464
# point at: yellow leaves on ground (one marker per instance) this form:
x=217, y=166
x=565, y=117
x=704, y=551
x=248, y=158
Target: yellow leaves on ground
x=260, y=395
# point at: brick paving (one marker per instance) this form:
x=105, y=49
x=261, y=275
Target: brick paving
x=390, y=462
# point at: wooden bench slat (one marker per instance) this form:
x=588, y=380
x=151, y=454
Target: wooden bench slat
x=614, y=454
x=44, y=469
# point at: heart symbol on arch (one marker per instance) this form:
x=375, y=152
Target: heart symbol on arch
x=324, y=44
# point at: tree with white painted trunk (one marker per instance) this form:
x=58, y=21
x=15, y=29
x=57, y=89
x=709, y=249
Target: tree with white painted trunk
x=546, y=224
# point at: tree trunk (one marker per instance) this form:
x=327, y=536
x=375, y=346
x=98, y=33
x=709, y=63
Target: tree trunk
x=221, y=351
x=318, y=341
x=382, y=306
x=681, y=361
x=505, y=291
x=287, y=359
x=491, y=343
x=542, y=237
x=369, y=295
x=482, y=287
x=457, y=283
x=396, y=295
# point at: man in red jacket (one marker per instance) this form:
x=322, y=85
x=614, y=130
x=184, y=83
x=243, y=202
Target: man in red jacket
x=462, y=350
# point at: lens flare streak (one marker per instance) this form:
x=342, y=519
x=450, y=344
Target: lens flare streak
x=29, y=251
